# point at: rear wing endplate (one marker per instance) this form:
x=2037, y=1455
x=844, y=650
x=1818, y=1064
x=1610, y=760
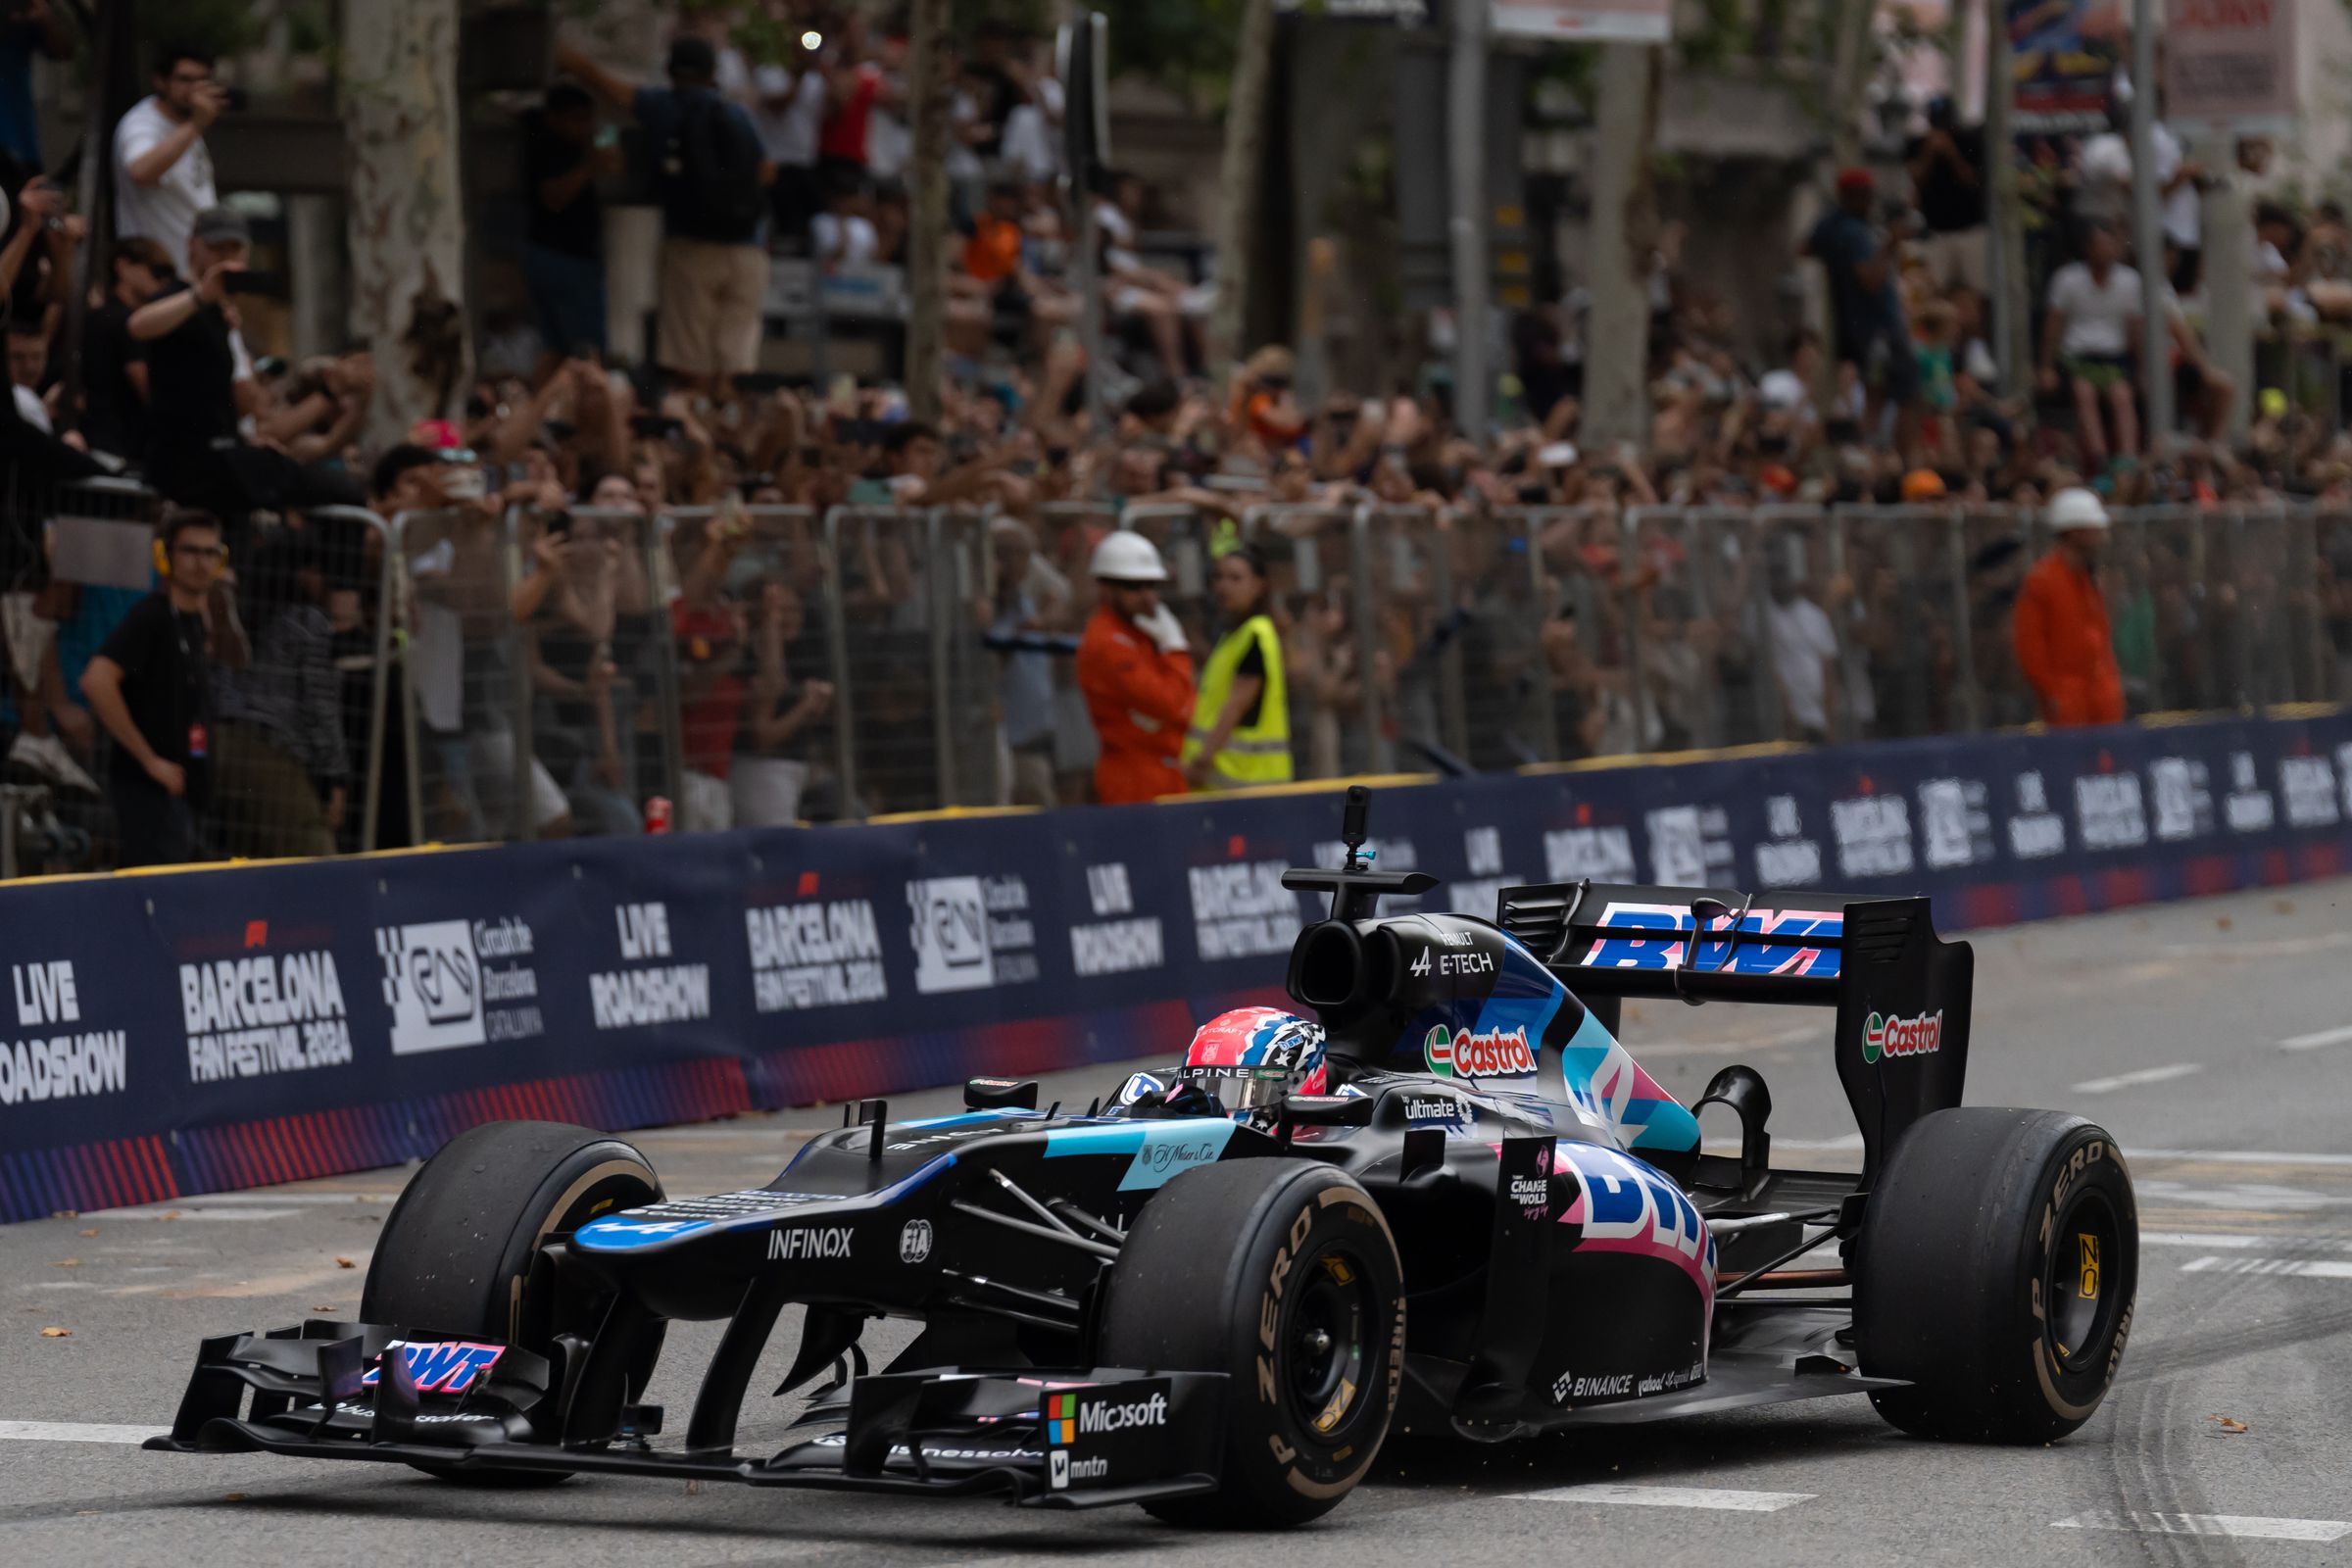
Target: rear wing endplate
x=1903, y=993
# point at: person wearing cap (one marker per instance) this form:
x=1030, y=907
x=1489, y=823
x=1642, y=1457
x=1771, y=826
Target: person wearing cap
x=713, y=178
x=1864, y=306
x=1135, y=674
x=1922, y=487
x=196, y=455
x=2065, y=648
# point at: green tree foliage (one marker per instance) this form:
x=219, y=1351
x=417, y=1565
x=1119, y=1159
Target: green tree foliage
x=222, y=27
x=1184, y=44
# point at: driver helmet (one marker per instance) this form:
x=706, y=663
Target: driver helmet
x=1254, y=1056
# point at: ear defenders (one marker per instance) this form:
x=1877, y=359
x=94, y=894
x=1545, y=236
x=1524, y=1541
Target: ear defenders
x=162, y=557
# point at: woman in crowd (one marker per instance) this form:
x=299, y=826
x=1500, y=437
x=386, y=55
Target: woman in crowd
x=779, y=714
x=1242, y=720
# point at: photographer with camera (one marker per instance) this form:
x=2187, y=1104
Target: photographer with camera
x=163, y=172
x=196, y=455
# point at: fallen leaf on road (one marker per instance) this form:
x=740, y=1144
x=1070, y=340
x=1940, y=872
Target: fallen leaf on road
x=55, y=1333
x=169, y=1213
x=345, y=1262
x=89, y=1233
x=233, y=1497
x=694, y=1489
x=67, y=1262
x=326, y=1306
x=2227, y=1424
x=64, y=1213
x=2222, y=923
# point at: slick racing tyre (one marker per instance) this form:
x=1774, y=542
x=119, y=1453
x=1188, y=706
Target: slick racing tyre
x=460, y=1253
x=1996, y=1271
x=1282, y=1275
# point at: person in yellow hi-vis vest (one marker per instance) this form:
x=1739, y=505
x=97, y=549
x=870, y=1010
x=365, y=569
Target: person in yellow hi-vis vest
x=1242, y=720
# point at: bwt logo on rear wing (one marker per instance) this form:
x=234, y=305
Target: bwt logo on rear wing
x=1796, y=941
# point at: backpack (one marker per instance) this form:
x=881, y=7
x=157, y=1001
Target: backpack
x=711, y=173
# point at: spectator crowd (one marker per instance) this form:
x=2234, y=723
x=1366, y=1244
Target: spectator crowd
x=696, y=588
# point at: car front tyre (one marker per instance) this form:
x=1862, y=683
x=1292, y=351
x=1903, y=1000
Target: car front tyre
x=1282, y=1275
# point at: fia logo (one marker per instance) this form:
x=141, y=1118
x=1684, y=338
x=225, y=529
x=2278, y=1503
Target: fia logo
x=46, y=994
x=914, y=1241
x=432, y=985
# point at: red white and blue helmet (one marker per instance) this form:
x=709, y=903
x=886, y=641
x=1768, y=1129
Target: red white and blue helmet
x=1254, y=1057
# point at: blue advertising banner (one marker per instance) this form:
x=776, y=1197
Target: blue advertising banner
x=190, y=1032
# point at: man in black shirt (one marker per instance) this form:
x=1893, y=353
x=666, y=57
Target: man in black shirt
x=1947, y=180
x=196, y=455
x=148, y=687
x=563, y=235
x=114, y=364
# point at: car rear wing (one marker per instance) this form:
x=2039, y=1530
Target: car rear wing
x=1902, y=993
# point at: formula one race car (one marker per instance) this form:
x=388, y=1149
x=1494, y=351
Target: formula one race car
x=1454, y=1206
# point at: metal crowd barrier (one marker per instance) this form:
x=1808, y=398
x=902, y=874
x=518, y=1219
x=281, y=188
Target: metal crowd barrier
x=758, y=665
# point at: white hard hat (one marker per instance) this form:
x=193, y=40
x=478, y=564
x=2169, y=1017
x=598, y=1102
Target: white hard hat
x=2075, y=508
x=1126, y=557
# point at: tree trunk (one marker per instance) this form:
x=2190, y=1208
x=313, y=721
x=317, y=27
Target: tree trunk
x=2005, y=208
x=407, y=207
x=1623, y=230
x=1239, y=184
x=928, y=228
x=1849, y=75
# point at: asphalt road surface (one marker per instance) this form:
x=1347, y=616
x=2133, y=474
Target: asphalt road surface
x=2214, y=1038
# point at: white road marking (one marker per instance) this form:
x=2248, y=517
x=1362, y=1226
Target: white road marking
x=2246, y=1527
x=2236, y=1157
x=198, y=1213
x=2144, y=1075
x=73, y=1432
x=2313, y=1042
x=321, y=1199
x=2274, y=948
x=2307, y=1268
x=1609, y=1492
x=2256, y=1196
x=2243, y=1240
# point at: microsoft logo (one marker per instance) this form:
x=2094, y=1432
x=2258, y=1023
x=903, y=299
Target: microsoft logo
x=1061, y=1419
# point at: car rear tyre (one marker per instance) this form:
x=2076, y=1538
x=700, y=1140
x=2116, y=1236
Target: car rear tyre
x=1997, y=1271
x=1282, y=1276
x=460, y=1253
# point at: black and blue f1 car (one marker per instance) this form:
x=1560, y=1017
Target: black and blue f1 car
x=1492, y=1223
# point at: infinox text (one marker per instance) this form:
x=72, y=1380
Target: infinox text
x=808, y=1241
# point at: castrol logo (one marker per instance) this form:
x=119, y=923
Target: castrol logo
x=1496, y=1054
x=1885, y=1035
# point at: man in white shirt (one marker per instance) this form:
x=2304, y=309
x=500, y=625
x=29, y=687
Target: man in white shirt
x=1804, y=656
x=788, y=110
x=163, y=173
x=2089, y=331
x=844, y=233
